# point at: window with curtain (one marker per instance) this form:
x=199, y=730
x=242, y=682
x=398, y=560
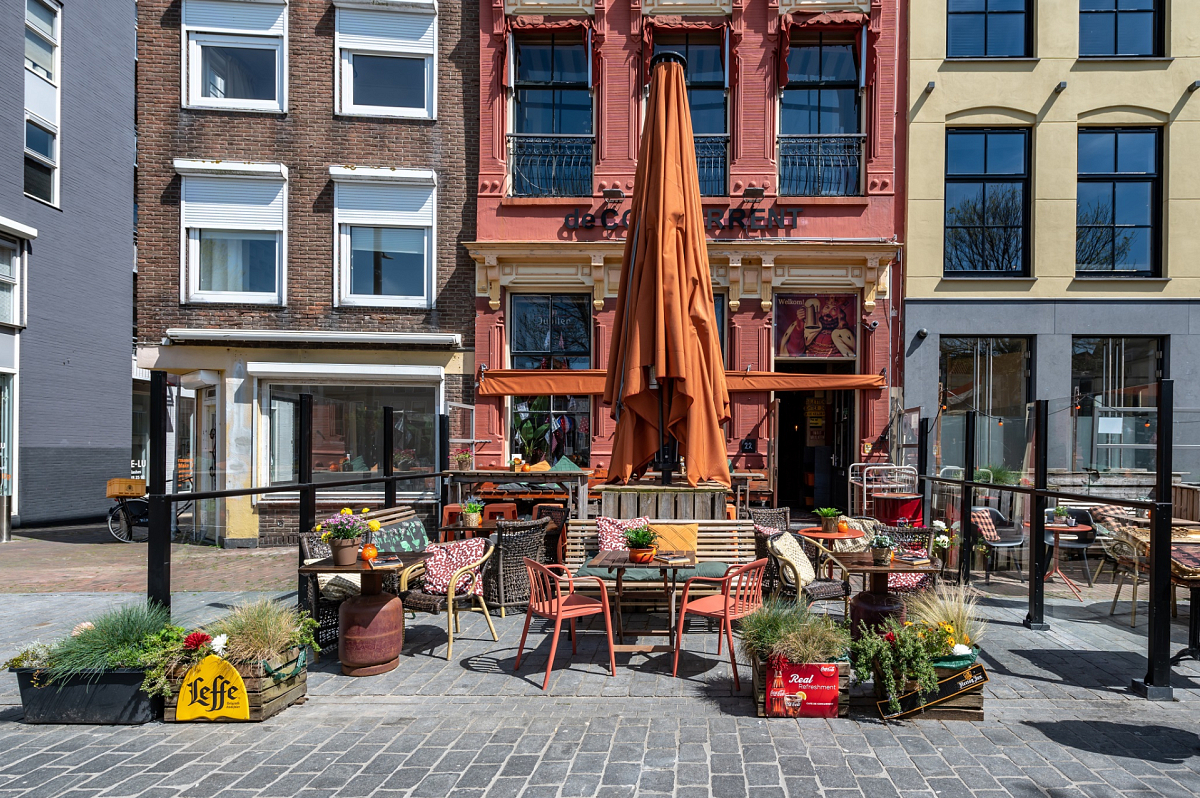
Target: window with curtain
x=988, y=28
x=10, y=273
x=1120, y=28
x=1118, y=202
x=551, y=331
x=238, y=261
x=987, y=202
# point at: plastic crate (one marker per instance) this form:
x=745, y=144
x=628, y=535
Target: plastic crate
x=119, y=488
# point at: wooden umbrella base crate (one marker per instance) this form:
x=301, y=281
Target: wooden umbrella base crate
x=267, y=697
x=759, y=670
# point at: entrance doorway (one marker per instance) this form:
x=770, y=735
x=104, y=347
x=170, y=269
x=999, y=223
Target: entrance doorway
x=816, y=443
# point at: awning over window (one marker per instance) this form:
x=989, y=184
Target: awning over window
x=517, y=382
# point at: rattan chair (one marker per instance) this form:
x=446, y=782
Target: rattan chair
x=506, y=580
x=821, y=588
x=778, y=519
x=415, y=598
x=556, y=537
x=917, y=539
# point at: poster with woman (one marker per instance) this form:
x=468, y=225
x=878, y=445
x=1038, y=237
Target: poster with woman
x=816, y=326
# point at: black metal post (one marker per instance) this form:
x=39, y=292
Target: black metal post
x=966, y=526
x=923, y=429
x=1157, y=684
x=304, y=475
x=389, y=449
x=158, y=545
x=1036, y=618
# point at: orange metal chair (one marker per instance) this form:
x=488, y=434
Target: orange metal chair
x=730, y=512
x=451, y=514
x=741, y=594
x=546, y=600
x=500, y=511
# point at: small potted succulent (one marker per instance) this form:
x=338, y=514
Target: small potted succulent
x=462, y=459
x=344, y=533
x=1063, y=516
x=829, y=519
x=881, y=549
x=641, y=541
x=472, y=513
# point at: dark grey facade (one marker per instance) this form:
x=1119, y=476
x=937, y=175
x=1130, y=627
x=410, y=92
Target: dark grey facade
x=72, y=354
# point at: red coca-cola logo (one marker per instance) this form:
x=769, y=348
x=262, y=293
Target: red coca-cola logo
x=829, y=670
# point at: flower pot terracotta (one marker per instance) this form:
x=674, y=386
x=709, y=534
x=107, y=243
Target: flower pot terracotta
x=642, y=556
x=345, y=552
x=881, y=556
x=472, y=519
x=829, y=525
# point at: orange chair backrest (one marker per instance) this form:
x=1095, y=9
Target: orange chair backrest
x=451, y=513
x=545, y=590
x=500, y=511
x=744, y=587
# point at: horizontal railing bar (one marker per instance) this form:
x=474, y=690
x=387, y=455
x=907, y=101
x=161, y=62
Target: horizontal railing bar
x=1052, y=494
x=822, y=135
x=552, y=135
x=291, y=486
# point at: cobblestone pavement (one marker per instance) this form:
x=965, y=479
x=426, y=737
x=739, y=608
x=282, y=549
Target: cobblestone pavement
x=1060, y=724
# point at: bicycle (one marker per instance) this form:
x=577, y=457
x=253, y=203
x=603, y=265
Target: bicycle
x=130, y=513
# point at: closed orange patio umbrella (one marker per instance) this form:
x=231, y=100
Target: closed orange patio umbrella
x=665, y=360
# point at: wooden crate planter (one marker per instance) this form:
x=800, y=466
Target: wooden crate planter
x=967, y=705
x=267, y=696
x=759, y=669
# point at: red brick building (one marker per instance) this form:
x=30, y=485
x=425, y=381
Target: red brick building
x=799, y=140
x=304, y=169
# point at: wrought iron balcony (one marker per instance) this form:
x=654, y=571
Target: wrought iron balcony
x=712, y=159
x=820, y=166
x=550, y=165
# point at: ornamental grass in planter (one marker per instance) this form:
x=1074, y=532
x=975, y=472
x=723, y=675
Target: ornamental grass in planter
x=96, y=674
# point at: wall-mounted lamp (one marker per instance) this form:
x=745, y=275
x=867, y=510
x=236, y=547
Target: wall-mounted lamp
x=1195, y=84
x=754, y=194
x=922, y=333
x=930, y=86
x=613, y=195
x=1061, y=87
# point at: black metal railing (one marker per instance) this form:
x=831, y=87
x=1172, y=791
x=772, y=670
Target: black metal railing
x=550, y=165
x=712, y=159
x=820, y=166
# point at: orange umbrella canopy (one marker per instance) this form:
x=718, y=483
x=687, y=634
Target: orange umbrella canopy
x=665, y=318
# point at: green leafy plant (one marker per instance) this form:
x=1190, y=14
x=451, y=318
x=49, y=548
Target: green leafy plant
x=462, y=457
x=113, y=640
x=263, y=629
x=530, y=428
x=1061, y=512
x=162, y=654
x=472, y=507
x=883, y=542
x=828, y=512
x=1001, y=474
x=642, y=537
x=786, y=629
x=896, y=655
x=34, y=655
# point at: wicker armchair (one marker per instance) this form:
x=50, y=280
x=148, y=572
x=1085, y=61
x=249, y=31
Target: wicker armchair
x=556, y=538
x=915, y=539
x=778, y=519
x=794, y=575
x=506, y=580
x=412, y=593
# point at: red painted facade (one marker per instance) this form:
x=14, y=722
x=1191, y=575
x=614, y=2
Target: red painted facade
x=815, y=244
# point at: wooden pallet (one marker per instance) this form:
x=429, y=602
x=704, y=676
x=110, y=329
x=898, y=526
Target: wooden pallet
x=266, y=696
x=759, y=670
x=703, y=503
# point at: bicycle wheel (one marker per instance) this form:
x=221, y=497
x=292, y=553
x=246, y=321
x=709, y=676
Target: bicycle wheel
x=119, y=524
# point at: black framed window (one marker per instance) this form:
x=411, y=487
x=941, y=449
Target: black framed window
x=1119, y=200
x=989, y=29
x=1120, y=27
x=821, y=96
x=551, y=90
x=706, y=88
x=987, y=202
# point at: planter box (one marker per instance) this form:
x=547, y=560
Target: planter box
x=967, y=705
x=266, y=696
x=759, y=670
x=107, y=698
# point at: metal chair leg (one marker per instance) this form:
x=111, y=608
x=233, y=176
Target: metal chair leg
x=1113, y=609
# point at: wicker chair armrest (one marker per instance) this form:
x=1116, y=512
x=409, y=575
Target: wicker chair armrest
x=829, y=555
x=410, y=574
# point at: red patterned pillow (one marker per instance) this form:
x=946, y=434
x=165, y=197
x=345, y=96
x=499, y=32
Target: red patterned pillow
x=611, y=531
x=908, y=583
x=447, y=558
x=983, y=522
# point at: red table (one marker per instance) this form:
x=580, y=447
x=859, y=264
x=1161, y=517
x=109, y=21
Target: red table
x=891, y=507
x=1058, y=529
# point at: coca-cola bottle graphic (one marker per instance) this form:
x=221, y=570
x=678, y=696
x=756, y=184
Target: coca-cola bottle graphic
x=775, y=697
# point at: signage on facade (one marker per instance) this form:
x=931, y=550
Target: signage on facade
x=816, y=326
x=774, y=218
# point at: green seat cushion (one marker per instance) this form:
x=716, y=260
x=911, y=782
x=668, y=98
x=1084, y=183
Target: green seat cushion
x=714, y=568
x=407, y=535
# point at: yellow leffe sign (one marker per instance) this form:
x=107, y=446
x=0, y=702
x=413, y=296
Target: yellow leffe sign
x=211, y=689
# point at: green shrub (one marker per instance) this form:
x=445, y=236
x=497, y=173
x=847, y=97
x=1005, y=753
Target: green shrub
x=114, y=640
x=642, y=537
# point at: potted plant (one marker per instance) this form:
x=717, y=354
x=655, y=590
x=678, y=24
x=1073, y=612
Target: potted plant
x=1063, y=516
x=641, y=542
x=898, y=658
x=344, y=533
x=799, y=660
x=829, y=519
x=953, y=612
x=462, y=458
x=881, y=549
x=472, y=513
x=95, y=674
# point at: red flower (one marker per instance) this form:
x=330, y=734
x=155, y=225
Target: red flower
x=196, y=640
x=890, y=637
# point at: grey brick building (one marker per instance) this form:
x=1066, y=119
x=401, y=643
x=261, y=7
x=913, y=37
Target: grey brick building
x=66, y=254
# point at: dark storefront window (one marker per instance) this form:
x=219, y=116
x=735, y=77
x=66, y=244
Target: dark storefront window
x=988, y=28
x=987, y=202
x=1120, y=28
x=991, y=377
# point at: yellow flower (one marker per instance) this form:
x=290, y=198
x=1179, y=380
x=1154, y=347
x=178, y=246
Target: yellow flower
x=949, y=628
x=908, y=623
x=373, y=525
x=326, y=537
x=366, y=510
x=318, y=527
x=966, y=640
x=347, y=511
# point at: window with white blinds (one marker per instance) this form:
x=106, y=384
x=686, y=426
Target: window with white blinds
x=236, y=54
x=234, y=238
x=387, y=59
x=384, y=223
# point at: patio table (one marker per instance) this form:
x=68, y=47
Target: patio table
x=875, y=604
x=1185, y=565
x=1058, y=529
x=460, y=530
x=619, y=562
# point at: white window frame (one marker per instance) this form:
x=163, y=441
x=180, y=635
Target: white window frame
x=54, y=41
x=17, y=281
x=342, y=222
x=195, y=37
x=344, y=54
x=189, y=243
x=42, y=159
x=38, y=119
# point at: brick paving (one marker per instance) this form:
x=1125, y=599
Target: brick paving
x=1060, y=723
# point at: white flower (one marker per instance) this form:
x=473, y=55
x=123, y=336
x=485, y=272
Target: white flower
x=939, y=525
x=941, y=542
x=81, y=628
x=218, y=644
x=961, y=651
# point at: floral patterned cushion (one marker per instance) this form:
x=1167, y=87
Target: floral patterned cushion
x=908, y=583
x=611, y=531
x=448, y=558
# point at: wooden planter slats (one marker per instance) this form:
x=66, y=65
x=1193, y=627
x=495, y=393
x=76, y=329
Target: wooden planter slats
x=964, y=706
x=267, y=697
x=759, y=670
x=702, y=503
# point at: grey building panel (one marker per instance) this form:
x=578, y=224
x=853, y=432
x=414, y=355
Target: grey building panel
x=75, y=353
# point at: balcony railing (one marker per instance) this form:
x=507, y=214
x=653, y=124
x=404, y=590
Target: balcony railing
x=712, y=159
x=550, y=165
x=820, y=166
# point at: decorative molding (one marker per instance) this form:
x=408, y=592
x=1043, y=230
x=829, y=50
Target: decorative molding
x=822, y=6
x=687, y=7
x=370, y=174
x=765, y=280
x=314, y=337
x=197, y=166
x=549, y=7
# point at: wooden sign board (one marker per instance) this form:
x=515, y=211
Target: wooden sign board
x=211, y=689
x=802, y=691
x=954, y=685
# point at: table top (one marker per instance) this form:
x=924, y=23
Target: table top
x=326, y=565
x=1066, y=528
x=895, y=496
x=508, y=475
x=817, y=533
x=620, y=559
x=861, y=562
x=487, y=525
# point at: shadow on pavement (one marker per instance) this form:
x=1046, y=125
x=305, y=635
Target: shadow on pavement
x=1161, y=744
